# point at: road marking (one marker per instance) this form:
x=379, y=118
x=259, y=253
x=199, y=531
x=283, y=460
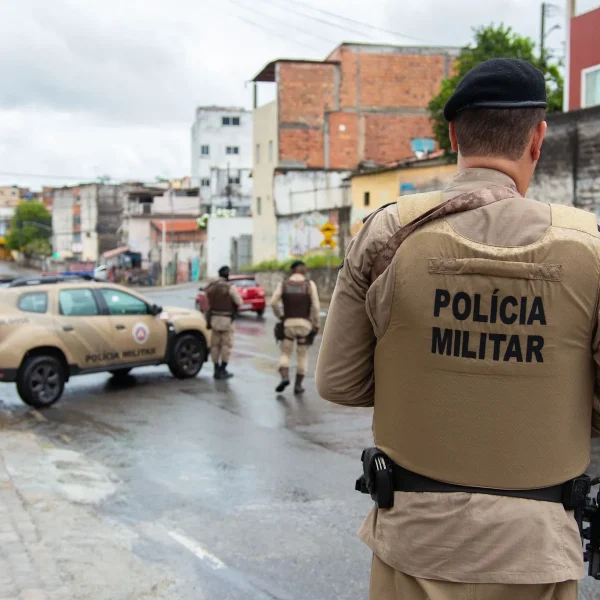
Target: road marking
x=38, y=415
x=196, y=549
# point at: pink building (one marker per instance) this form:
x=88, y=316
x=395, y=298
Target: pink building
x=582, y=80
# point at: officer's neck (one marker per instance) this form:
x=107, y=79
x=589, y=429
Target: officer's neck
x=519, y=171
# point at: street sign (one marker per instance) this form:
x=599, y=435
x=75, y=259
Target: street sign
x=328, y=230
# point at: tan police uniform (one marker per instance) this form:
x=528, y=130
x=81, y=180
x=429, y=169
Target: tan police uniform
x=489, y=313
x=223, y=299
x=301, y=314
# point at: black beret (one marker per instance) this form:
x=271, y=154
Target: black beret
x=498, y=83
x=296, y=264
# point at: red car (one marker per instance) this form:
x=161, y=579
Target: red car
x=252, y=294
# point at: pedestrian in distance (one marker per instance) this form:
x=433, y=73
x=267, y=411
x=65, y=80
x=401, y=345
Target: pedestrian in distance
x=224, y=300
x=298, y=325
x=468, y=318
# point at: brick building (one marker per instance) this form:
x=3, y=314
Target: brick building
x=363, y=104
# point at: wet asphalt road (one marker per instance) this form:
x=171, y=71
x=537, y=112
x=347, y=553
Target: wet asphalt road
x=238, y=492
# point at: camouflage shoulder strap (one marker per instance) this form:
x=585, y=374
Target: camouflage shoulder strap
x=458, y=204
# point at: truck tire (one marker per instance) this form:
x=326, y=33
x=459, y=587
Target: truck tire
x=188, y=356
x=41, y=381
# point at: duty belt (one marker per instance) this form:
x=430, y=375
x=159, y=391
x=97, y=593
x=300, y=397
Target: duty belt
x=382, y=477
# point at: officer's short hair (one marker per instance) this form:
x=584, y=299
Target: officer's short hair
x=224, y=271
x=297, y=264
x=499, y=132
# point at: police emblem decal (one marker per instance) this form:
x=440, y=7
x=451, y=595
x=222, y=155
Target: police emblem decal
x=140, y=333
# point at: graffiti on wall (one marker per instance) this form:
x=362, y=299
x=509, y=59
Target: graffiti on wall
x=297, y=236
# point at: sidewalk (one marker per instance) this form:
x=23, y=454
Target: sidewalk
x=53, y=543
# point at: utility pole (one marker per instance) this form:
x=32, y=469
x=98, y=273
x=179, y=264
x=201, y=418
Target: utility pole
x=164, y=252
x=571, y=12
x=543, y=37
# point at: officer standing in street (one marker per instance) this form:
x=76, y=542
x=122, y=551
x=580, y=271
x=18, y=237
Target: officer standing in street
x=300, y=320
x=224, y=300
x=469, y=319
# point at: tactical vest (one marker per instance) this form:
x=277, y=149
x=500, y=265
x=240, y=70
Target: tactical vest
x=219, y=299
x=296, y=299
x=484, y=375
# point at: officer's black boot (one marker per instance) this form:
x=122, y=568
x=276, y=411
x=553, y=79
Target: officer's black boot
x=225, y=374
x=285, y=379
x=298, y=389
x=217, y=374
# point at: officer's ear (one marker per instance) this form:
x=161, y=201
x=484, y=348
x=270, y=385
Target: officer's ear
x=453, y=139
x=537, y=139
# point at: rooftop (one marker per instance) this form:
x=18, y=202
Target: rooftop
x=439, y=156
x=267, y=74
x=214, y=108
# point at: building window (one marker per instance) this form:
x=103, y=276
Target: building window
x=77, y=238
x=205, y=182
x=270, y=150
x=367, y=198
x=235, y=121
x=590, y=84
x=257, y=154
x=225, y=121
x=233, y=149
x=204, y=150
x=258, y=206
x=234, y=181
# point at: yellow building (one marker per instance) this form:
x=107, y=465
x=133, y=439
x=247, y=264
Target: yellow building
x=374, y=188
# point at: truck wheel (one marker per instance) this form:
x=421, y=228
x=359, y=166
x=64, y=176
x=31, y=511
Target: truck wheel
x=260, y=312
x=189, y=354
x=41, y=381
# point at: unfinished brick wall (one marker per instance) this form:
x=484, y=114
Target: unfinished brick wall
x=399, y=80
x=343, y=136
x=388, y=137
x=349, y=61
x=306, y=92
x=302, y=145
x=376, y=102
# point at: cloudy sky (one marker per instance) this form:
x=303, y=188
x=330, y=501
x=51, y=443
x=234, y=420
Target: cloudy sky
x=109, y=87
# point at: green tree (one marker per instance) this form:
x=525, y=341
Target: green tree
x=493, y=42
x=31, y=222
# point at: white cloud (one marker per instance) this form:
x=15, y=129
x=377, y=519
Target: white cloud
x=110, y=86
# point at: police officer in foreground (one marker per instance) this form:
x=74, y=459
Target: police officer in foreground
x=299, y=323
x=224, y=300
x=469, y=319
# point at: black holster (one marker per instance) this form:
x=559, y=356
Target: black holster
x=279, y=331
x=377, y=478
x=208, y=319
x=310, y=338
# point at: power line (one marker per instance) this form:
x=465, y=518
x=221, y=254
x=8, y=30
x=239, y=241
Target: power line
x=270, y=31
x=367, y=25
x=268, y=16
x=330, y=23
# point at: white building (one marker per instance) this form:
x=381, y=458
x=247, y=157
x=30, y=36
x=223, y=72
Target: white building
x=222, y=157
x=145, y=204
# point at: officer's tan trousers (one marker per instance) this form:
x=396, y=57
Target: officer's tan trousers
x=222, y=343
x=389, y=584
x=287, y=349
